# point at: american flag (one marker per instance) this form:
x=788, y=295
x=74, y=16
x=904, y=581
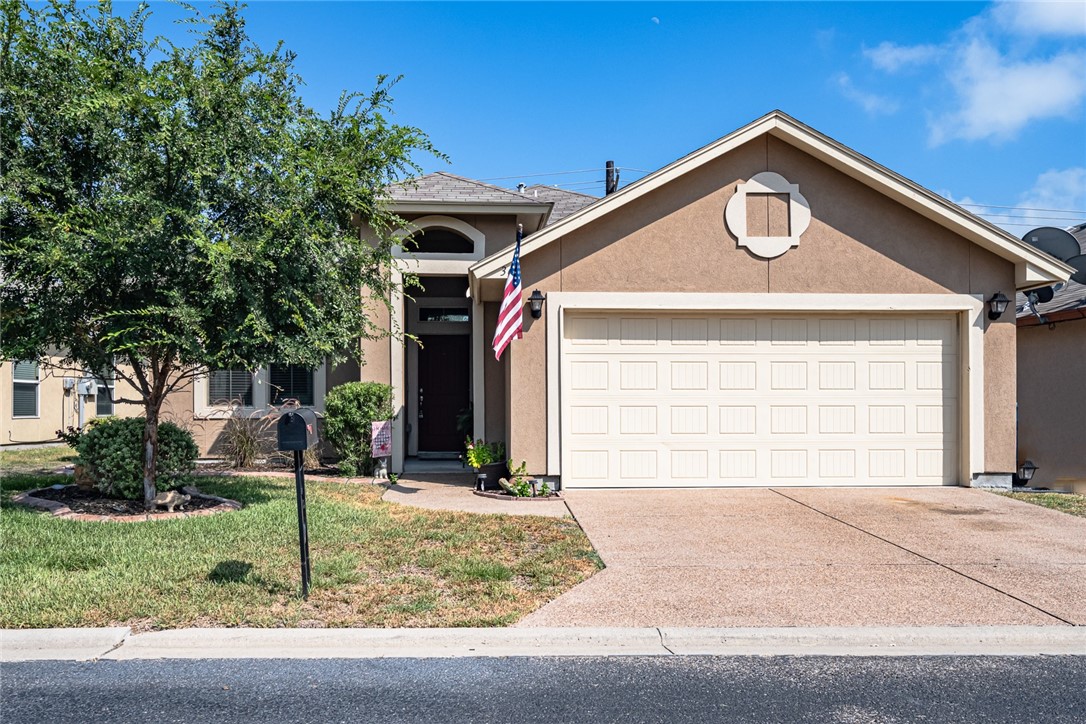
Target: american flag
x=510, y=316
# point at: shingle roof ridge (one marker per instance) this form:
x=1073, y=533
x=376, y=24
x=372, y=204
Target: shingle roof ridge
x=556, y=188
x=490, y=187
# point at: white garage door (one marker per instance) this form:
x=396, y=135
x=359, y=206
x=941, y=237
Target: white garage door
x=713, y=399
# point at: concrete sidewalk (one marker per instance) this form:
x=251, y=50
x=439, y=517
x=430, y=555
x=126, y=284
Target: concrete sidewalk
x=242, y=643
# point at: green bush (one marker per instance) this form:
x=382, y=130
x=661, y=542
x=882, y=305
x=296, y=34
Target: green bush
x=112, y=453
x=349, y=410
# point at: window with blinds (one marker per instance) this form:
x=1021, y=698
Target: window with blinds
x=103, y=400
x=230, y=386
x=24, y=393
x=291, y=382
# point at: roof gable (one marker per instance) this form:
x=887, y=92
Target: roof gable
x=1032, y=267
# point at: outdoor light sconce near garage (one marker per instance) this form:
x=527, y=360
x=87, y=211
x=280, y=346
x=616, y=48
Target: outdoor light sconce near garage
x=535, y=303
x=1026, y=471
x=997, y=305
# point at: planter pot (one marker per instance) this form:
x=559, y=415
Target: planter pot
x=493, y=471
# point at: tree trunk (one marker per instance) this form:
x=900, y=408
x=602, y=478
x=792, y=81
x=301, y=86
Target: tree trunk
x=150, y=451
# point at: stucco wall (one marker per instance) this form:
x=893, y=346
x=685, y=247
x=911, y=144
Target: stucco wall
x=57, y=407
x=1052, y=401
x=675, y=239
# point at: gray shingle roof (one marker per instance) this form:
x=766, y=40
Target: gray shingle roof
x=447, y=187
x=1073, y=296
x=565, y=202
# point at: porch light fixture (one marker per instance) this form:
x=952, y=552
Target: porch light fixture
x=1026, y=471
x=997, y=305
x=535, y=302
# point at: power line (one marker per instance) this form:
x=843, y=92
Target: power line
x=559, y=173
x=1019, y=208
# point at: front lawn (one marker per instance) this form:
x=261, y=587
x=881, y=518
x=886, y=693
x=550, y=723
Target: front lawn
x=374, y=563
x=1067, y=502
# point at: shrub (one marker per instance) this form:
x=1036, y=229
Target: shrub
x=243, y=439
x=349, y=410
x=112, y=453
x=479, y=453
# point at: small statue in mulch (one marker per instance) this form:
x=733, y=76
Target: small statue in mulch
x=171, y=499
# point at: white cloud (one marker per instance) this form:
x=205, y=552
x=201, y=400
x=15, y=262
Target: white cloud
x=1058, y=189
x=892, y=57
x=1042, y=18
x=1003, y=70
x=996, y=97
x=1057, y=198
x=872, y=103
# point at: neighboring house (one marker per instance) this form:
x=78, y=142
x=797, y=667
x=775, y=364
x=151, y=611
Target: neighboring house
x=772, y=309
x=1052, y=385
x=37, y=400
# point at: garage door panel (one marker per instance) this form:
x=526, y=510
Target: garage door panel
x=668, y=399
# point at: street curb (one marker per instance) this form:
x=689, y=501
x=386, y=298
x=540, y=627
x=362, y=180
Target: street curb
x=68, y=644
x=249, y=643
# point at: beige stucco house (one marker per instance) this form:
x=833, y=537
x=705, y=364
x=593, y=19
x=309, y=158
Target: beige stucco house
x=772, y=309
x=1052, y=385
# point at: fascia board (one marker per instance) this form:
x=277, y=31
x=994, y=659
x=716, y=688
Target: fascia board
x=1044, y=269
x=453, y=207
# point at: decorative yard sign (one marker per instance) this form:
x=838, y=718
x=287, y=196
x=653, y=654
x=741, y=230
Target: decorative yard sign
x=381, y=435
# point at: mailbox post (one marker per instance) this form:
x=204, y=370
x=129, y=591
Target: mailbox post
x=297, y=432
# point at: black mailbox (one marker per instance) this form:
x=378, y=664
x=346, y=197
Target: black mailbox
x=298, y=429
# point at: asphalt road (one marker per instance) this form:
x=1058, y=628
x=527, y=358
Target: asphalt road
x=551, y=690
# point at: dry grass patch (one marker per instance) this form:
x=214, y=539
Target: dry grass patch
x=375, y=563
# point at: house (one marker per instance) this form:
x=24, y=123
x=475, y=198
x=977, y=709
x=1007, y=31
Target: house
x=773, y=308
x=1052, y=384
x=38, y=399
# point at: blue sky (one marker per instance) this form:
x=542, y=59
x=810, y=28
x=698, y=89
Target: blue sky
x=981, y=102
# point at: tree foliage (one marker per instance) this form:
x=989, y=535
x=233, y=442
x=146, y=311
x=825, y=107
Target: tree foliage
x=167, y=208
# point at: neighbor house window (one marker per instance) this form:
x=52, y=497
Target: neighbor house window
x=225, y=387
x=24, y=393
x=103, y=400
x=291, y=382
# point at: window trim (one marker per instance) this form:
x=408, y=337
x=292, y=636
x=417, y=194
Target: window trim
x=201, y=410
x=37, y=390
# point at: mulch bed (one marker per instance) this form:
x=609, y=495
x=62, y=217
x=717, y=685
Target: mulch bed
x=95, y=503
x=75, y=503
x=323, y=471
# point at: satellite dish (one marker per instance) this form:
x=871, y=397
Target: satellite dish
x=1054, y=242
x=1044, y=295
x=1079, y=263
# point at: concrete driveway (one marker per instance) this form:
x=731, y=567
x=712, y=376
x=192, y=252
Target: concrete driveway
x=823, y=557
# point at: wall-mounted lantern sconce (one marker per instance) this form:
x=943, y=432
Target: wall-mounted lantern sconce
x=1026, y=471
x=535, y=303
x=997, y=305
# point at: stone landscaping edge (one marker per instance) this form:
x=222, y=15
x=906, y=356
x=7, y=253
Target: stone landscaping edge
x=60, y=510
x=495, y=495
x=249, y=643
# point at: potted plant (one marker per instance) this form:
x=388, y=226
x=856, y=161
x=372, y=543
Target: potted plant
x=486, y=458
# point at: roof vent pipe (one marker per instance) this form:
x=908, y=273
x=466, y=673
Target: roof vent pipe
x=520, y=188
x=612, y=179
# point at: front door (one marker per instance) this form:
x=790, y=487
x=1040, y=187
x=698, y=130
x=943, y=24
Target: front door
x=444, y=373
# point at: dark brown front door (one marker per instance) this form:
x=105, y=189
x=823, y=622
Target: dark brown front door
x=444, y=368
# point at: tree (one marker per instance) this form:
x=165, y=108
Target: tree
x=170, y=208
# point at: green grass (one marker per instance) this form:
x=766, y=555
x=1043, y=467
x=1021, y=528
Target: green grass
x=374, y=563
x=44, y=459
x=1072, y=503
